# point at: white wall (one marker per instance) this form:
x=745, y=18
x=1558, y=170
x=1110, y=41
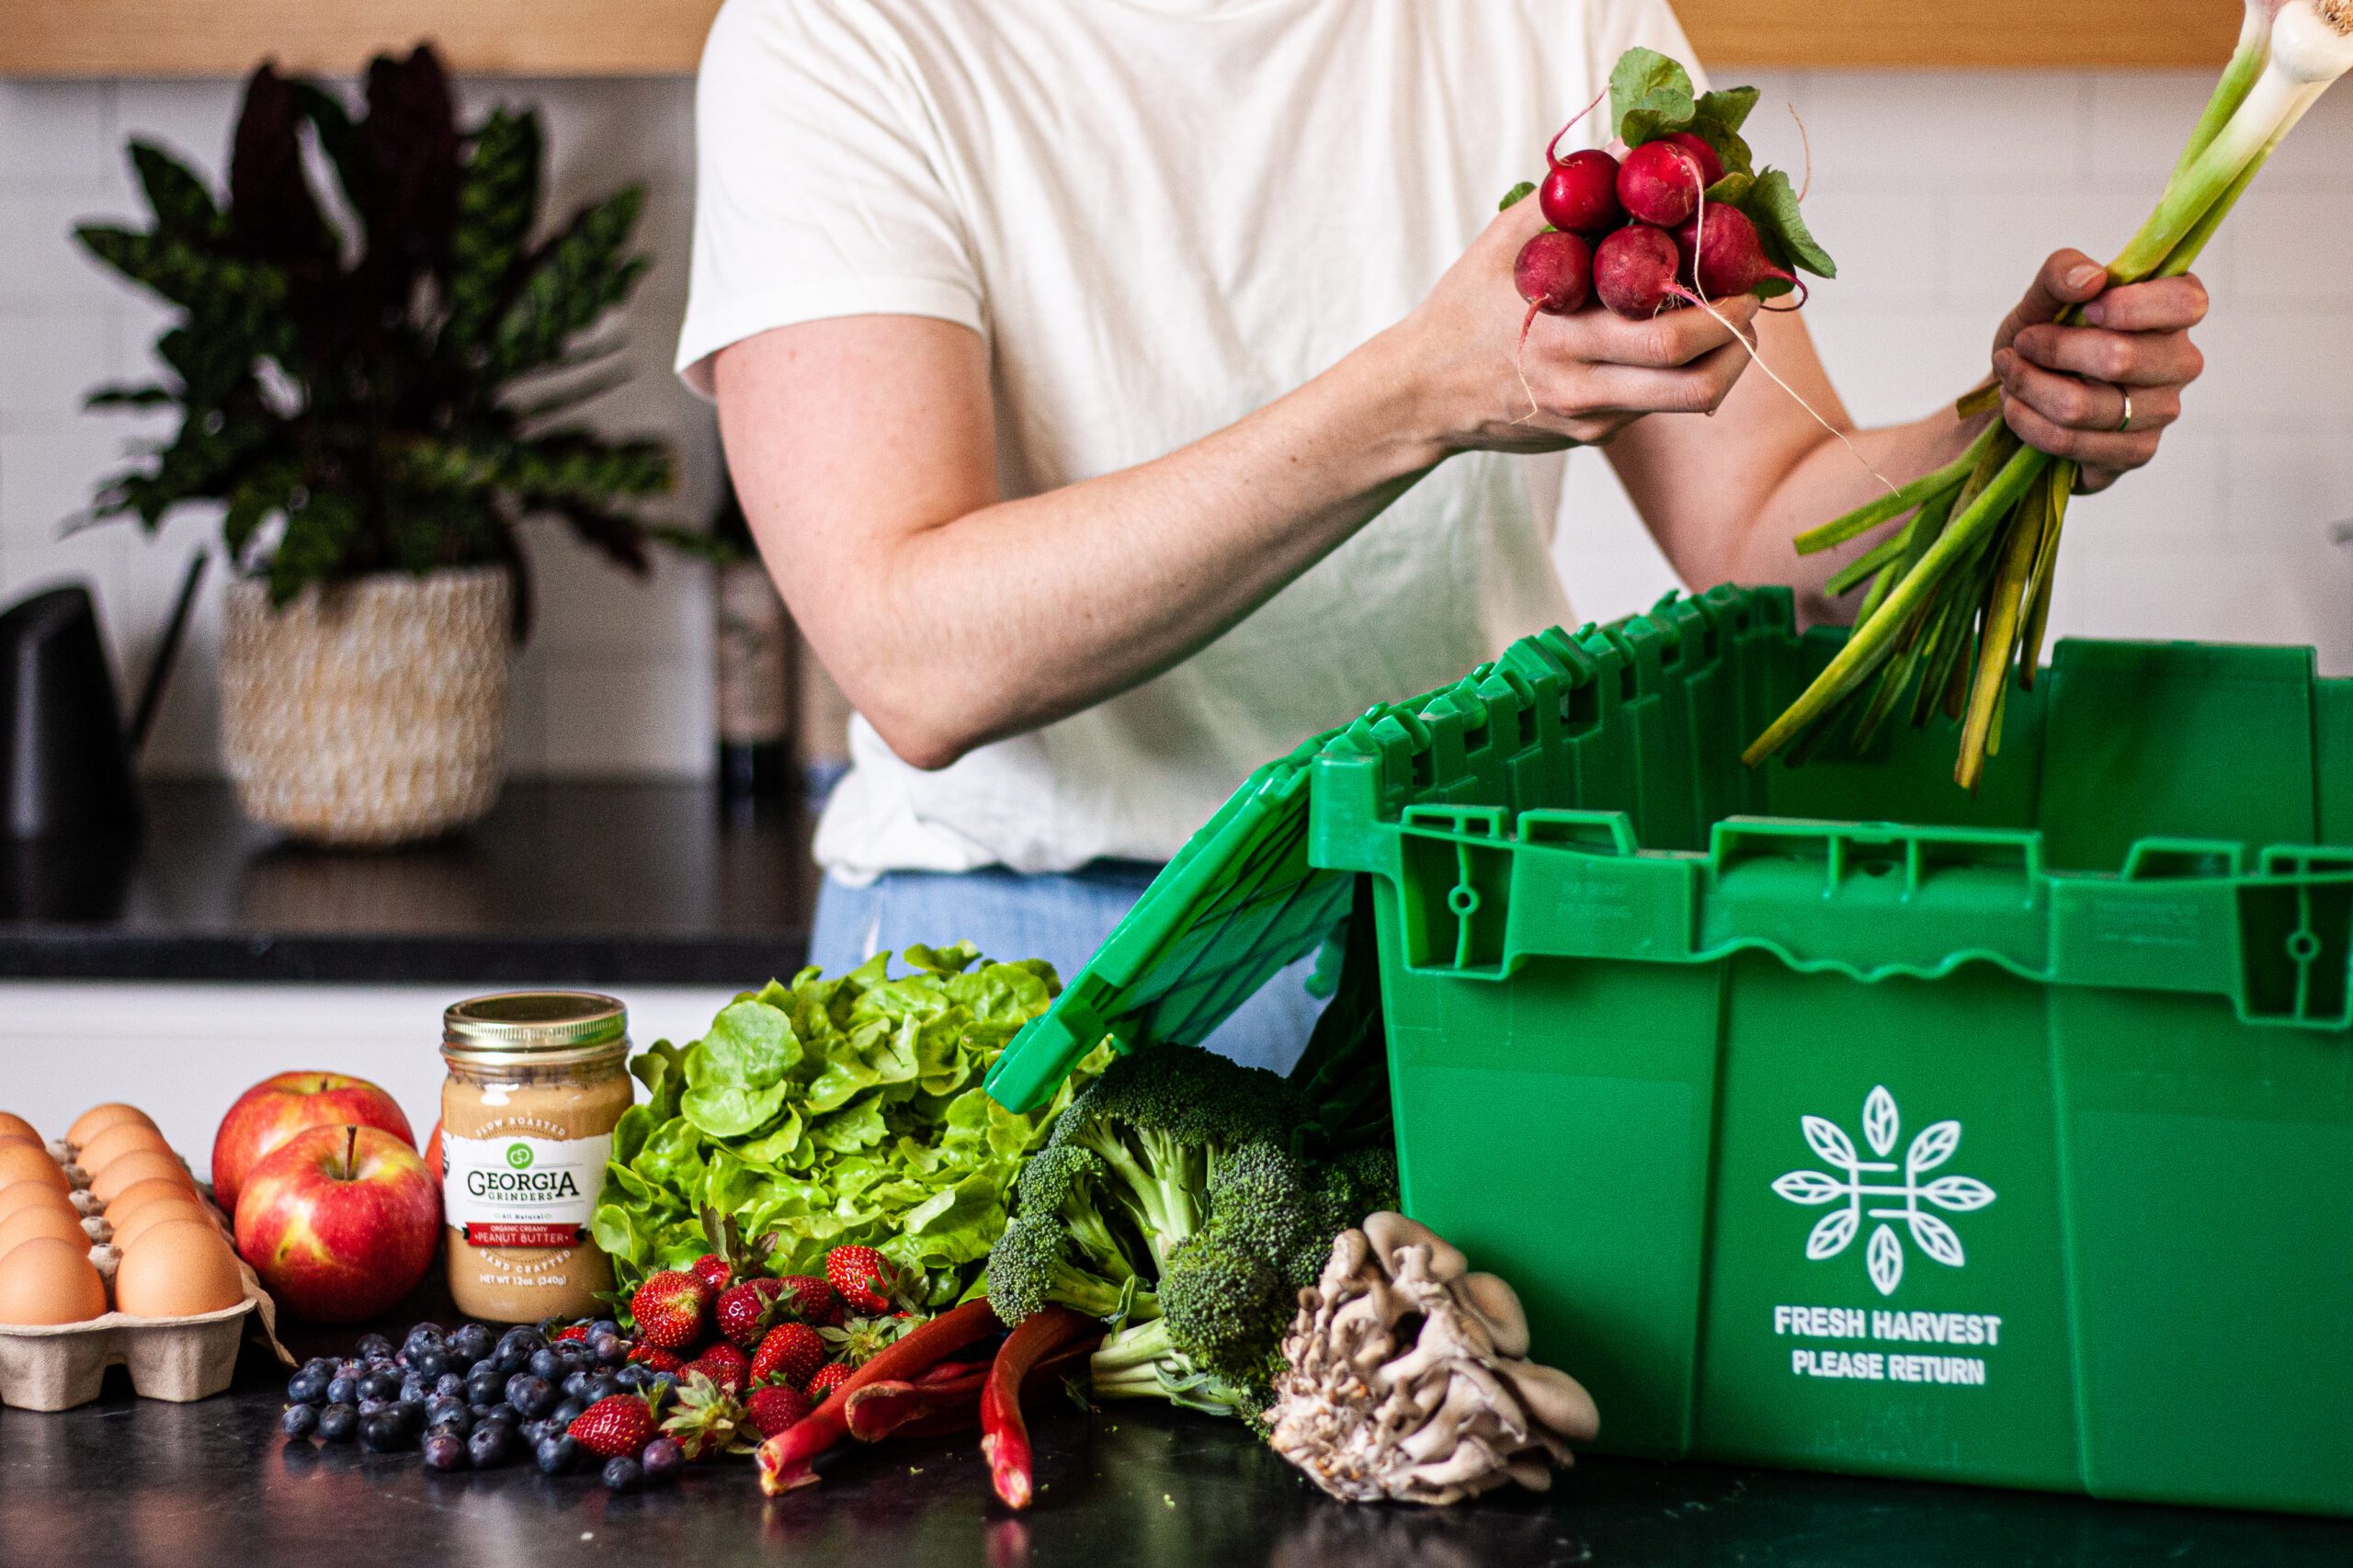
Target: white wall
x=1937, y=192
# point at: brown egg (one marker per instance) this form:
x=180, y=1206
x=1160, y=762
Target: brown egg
x=19, y=1126
x=23, y=1162
x=98, y=1118
x=37, y=1220
x=177, y=1269
x=146, y=1191
x=106, y=1147
x=18, y=1195
x=46, y=1280
x=138, y=1166
x=148, y=1216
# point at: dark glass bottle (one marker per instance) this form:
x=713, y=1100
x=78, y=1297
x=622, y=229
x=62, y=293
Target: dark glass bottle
x=753, y=688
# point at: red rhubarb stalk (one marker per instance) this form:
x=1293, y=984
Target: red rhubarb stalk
x=787, y=1460
x=932, y=1406
x=1005, y=1439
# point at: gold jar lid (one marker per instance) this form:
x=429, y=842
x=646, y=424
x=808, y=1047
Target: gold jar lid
x=544, y=1026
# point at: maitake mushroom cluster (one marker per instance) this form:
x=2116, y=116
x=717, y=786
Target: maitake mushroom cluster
x=1408, y=1377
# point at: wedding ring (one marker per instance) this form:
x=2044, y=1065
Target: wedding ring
x=2126, y=423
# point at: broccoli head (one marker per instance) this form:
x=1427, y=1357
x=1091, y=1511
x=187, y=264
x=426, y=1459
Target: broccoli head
x=1061, y=1246
x=1162, y=1119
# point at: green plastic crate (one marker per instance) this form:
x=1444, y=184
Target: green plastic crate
x=2010, y=1144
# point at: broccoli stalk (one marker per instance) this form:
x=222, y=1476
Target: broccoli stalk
x=1142, y=1362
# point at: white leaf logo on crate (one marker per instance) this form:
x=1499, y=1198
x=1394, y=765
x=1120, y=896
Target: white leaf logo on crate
x=1870, y=1191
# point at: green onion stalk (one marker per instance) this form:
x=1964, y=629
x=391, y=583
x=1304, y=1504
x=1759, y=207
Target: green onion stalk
x=1960, y=587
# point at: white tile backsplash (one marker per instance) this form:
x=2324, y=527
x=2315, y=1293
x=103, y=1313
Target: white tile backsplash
x=1937, y=191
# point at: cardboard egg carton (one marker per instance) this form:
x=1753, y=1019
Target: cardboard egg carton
x=177, y=1358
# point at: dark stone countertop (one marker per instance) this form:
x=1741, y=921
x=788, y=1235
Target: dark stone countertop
x=598, y=883
x=213, y=1485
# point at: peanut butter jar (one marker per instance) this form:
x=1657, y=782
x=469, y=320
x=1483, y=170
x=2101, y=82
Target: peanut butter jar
x=537, y=1079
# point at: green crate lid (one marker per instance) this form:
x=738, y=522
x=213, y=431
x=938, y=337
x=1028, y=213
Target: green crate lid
x=1237, y=905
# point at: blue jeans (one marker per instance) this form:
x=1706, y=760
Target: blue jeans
x=1062, y=919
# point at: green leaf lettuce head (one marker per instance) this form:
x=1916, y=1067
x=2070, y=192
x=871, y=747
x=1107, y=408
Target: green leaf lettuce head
x=835, y=1111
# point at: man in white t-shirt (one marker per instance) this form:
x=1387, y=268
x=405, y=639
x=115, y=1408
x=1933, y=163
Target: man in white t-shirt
x=1116, y=401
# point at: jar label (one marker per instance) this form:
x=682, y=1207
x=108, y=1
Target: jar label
x=505, y=1191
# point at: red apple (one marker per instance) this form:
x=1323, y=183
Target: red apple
x=340, y=1222
x=433, y=1151
x=277, y=1107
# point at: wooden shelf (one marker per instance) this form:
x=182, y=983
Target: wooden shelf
x=656, y=38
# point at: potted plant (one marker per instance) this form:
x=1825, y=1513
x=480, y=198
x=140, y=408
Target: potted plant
x=376, y=392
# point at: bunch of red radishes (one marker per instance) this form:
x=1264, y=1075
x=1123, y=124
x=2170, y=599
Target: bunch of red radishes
x=1682, y=218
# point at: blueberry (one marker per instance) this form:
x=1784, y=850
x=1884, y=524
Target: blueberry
x=484, y=1384
x=373, y=1345
x=624, y=1475
x=428, y=1363
x=422, y=1336
x=342, y=1390
x=524, y=1337
x=603, y=1325
x=572, y=1353
x=556, y=1454
x=470, y=1343
x=661, y=1460
x=338, y=1422
x=565, y=1412
x=449, y=1385
x=300, y=1420
x=439, y=1411
x=505, y=1415
x=351, y=1366
x=600, y=1385
x=414, y=1390
x=480, y=1410
x=376, y=1407
x=308, y=1387
x=666, y=1383
x=445, y=1451
x=492, y=1445
x=607, y=1349
x=530, y=1432
x=545, y=1363
x=381, y=1385
x=383, y=1432
x=529, y=1393
x=572, y=1383
x=634, y=1376
x=510, y=1360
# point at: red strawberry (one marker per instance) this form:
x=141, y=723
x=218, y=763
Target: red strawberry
x=744, y=1310
x=791, y=1351
x=812, y=1299
x=617, y=1427
x=773, y=1408
x=670, y=1309
x=723, y=1365
x=577, y=1331
x=830, y=1376
x=659, y=1360
x=862, y=1277
x=713, y=1270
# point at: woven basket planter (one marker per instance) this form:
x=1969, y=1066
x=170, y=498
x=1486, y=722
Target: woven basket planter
x=371, y=712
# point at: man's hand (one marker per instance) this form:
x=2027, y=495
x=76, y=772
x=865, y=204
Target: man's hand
x=1583, y=378
x=2065, y=389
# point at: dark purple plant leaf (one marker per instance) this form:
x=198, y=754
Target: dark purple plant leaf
x=272, y=214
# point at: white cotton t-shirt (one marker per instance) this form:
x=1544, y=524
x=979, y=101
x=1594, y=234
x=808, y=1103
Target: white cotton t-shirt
x=1161, y=215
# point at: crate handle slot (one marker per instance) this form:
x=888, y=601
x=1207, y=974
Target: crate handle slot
x=1849, y=850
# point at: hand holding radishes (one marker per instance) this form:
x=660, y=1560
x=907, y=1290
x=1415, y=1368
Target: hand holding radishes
x=1588, y=373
